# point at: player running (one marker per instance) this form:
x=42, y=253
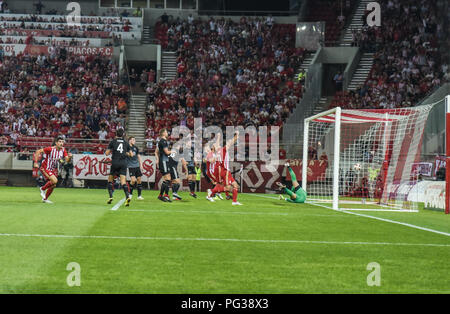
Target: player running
x=134, y=168
x=296, y=194
x=120, y=150
x=53, y=155
x=162, y=154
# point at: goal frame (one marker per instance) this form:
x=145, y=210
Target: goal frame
x=337, y=138
x=447, y=154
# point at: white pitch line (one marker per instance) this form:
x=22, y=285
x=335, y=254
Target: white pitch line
x=216, y=240
x=204, y=212
x=399, y=223
x=274, y=198
x=387, y=220
x=119, y=203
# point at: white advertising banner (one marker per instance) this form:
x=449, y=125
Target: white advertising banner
x=96, y=167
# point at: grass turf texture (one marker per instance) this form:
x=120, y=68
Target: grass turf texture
x=195, y=246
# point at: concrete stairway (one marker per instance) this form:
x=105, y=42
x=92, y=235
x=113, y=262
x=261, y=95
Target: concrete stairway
x=362, y=71
x=168, y=65
x=137, y=123
x=147, y=35
x=356, y=24
x=307, y=61
x=322, y=105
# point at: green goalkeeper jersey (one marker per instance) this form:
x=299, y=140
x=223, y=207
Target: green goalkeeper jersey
x=301, y=195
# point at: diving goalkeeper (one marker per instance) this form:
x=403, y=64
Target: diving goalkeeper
x=296, y=194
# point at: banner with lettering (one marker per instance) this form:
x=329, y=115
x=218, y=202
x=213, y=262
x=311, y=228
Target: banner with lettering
x=15, y=49
x=97, y=167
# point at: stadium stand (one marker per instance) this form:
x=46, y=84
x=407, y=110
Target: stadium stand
x=59, y=92
x=408, y=64
x=229, y=73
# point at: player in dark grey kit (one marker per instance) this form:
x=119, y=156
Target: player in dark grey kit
x=190, y=167
x=134, y=168
x=120, y=150
x=162, y=154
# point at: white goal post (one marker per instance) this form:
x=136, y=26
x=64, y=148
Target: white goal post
x=371, y=155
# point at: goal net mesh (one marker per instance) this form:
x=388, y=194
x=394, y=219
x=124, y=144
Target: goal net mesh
x=378, y=151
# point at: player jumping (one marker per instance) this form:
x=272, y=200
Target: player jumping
x=134, y=168
x=296, y=194
x=120, y=150
x=53, y=155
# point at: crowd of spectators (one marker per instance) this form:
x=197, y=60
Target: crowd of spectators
x=408, y=63
x=77, y=96
x=229, y=73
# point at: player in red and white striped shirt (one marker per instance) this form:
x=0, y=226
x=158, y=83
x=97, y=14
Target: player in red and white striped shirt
x=221, y=171
x=53, y=155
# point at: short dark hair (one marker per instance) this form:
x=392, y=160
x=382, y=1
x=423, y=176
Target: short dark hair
x=58, y=138
x=131, y=137
x=120, y=132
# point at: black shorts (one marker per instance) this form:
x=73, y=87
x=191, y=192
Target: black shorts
x=164, y=167
x=191, y=170
x=118, y=168
x=173, y=173
x=135, y=172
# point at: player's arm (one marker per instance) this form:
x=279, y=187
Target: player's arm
x=110, y=148
x=233, y=140
x=129, y=151
x=167, y=151
x=140, y=160
x=37, y=157
x=157, y=155
x=184, y=163
x=67, y=156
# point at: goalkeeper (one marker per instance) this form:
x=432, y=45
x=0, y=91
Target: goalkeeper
x=296, y=194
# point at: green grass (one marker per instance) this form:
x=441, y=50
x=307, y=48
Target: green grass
x=194, y=246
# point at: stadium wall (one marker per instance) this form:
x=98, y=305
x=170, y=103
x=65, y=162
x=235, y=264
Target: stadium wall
x=27, y=6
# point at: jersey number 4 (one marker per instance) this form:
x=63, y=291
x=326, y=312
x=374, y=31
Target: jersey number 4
x=120, y=148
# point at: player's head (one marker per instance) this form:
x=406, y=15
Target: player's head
x=163, y=133
x=120, y=132
x=132, y=140
x=59, y=142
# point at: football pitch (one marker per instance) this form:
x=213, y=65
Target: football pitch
x=195, y=246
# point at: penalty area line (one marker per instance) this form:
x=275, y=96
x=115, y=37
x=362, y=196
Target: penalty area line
x=386, y=220
x=119, y=203
x=218, y=240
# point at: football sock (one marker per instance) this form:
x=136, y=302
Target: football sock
x=125, y=189
x=110, y=189
x=139, y=188
x=235, y=194
x=163, y=188
x=49, y=192
x=192, y=186
x=166, y=187
x=132, y=187
x=175, y=188
x=47, y=185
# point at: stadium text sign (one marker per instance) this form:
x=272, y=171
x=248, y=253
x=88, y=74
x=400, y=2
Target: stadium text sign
x=15, y=49
x=96, y=167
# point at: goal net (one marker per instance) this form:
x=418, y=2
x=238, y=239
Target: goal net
x=370, y=154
